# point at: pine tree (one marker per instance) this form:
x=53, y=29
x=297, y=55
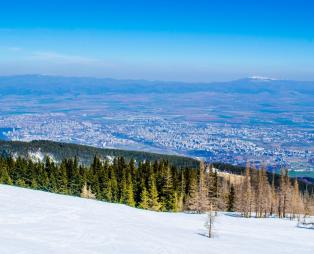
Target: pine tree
x=114, y=186
x=62, y=180
x=213, y=189
x=154, y=203
x=179, y=201
x=53, y=185
x=103, y=183
x=34, y=184
x=4, y=177
x=74, y=178
x=168, y=195
x=21, y=183
x=44, y=181
x=129, y=191
x=95, y=183
x=144, y=203
x=108, y=193
x=123, y=189
x=231, y=199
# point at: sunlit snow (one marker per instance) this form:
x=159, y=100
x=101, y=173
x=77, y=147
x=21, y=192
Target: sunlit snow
x=38, y=222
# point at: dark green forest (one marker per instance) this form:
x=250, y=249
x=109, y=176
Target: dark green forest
x=85, y=154
x=148, y=185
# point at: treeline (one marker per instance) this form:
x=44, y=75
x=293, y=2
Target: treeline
x=258, y=196
x=159, y=186
x=148, y=185
x=305, y=184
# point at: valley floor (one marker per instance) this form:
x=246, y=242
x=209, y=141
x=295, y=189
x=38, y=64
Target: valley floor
x=38, y=222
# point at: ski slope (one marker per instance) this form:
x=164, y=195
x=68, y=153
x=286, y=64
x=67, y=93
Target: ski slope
x=38, y=222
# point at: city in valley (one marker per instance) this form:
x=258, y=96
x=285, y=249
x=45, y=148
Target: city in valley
x=271, y=146
x=204, y=126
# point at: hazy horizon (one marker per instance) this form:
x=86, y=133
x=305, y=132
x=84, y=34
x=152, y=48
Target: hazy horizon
x=253, y=77
x=177, y=41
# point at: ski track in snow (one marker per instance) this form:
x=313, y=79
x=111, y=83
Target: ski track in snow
x=34, y=222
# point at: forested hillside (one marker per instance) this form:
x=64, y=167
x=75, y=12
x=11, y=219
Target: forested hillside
x=60, y=151
x=160, y=186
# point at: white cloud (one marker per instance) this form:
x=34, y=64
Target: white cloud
x=55, y=57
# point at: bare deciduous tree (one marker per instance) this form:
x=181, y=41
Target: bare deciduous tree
x=210, y=221
x=86, y=192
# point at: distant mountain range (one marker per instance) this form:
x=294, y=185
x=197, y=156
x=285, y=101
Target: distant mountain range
x=40, y=85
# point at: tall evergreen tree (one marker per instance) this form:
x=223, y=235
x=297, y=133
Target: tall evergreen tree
x=4, y=176
x=144, y=203
x=231, y=199
x=129, y=191
x=168, y=195
x=154, y=203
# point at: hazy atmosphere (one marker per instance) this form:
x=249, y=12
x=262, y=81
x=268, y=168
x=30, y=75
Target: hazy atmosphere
x=164, y=40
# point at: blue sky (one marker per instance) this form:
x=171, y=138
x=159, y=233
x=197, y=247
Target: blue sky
x=165, y=40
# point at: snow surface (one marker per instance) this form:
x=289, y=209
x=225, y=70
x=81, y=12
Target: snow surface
x=38, y=222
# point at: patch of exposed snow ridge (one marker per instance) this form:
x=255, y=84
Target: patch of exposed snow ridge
x=35, y=222
x=260, y=78
x=110, y=159
x=38, y=156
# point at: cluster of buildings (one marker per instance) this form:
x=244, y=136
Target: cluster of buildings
x=211, y=141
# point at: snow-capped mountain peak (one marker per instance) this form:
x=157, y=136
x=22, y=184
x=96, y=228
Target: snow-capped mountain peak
x=261, y=78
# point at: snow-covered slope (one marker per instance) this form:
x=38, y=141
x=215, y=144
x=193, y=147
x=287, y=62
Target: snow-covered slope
x=39, y=222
